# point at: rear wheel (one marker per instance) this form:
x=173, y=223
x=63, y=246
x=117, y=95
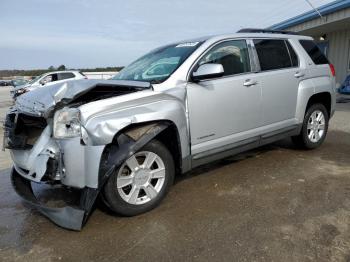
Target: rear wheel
x=314, y=129
x=142, y=181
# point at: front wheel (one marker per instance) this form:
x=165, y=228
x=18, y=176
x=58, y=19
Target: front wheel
x=141, y=182
x=314, y=129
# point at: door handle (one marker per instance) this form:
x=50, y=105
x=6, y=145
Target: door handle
x=249, y=82
x=299, y=74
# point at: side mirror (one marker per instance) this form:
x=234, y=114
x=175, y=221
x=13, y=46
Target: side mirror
x=42, y=82
x=208, y=71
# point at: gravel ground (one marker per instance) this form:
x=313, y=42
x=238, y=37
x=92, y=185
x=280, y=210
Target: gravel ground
x=275, y=203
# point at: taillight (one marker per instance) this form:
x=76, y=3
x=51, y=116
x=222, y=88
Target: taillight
x=332, y=69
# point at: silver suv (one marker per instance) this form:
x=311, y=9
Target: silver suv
x=178, y=107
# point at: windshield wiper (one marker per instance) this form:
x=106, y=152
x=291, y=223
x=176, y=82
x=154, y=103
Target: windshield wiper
x=156, y=81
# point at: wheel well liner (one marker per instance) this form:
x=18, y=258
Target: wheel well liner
x=133, y=137
x=171, y=139
x=323, y=98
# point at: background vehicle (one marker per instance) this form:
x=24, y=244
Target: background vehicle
x=47, y=80
x=125, y=139
x=5, y=83
x=18, y=82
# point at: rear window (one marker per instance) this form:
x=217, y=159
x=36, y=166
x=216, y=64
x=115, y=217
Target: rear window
x=314, y=52
x=273, y=54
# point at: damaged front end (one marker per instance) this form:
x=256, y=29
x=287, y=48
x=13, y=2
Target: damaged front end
x=42, y=153
x=74, y=217
x=34, y=153
x=38, y=158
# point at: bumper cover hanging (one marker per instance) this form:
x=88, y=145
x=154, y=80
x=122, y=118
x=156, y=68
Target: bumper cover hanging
x=68, y=217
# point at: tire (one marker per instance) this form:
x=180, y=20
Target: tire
x=307, y=139
x=152, y=180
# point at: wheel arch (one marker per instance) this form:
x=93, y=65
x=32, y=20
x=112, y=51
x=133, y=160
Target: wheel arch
x=308, y=95
x=132, y=138
x=169, y=137
x=323, y=98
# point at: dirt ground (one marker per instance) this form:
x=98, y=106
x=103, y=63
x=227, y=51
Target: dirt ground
x=275, y=203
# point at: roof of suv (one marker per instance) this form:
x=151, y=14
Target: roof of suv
x=249, y=35
x=260, y=35
x=63, y=71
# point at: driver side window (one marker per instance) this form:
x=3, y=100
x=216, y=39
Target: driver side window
x=47, y=79
x=50, y=78
x=232, y=55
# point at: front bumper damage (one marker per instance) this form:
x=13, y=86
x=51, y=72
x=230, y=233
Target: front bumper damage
x=67, y=217
x=48, y=159
x=80, y=168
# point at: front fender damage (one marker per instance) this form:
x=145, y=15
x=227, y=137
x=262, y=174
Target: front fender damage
x=74, y=218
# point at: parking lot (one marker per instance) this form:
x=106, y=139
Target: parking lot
x=275, y=203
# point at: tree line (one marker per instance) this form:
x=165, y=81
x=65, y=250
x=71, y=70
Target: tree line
x=36, y=72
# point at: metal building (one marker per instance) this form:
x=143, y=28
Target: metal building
x=331, y=32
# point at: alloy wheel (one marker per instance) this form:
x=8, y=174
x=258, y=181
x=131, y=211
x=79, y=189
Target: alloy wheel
x=141, y=178
x=316, y=126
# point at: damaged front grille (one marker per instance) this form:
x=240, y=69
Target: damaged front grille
x=21, y=131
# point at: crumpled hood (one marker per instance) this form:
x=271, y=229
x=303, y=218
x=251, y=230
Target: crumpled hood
x=20, y=87
x=42, y=101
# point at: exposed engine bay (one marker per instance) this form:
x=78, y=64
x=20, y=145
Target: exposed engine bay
x=103, y=91
x=22, y=131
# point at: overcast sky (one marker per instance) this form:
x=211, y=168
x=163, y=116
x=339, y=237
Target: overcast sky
x=91, y=33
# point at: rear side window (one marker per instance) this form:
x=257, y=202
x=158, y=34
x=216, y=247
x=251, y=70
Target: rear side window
x=314, y=52
x=273, y=54
x=66, y=75
x=54, y=77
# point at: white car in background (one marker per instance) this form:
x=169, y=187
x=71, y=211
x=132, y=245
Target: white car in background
x=47, y=79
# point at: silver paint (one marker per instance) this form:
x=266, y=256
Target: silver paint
x=208, y=115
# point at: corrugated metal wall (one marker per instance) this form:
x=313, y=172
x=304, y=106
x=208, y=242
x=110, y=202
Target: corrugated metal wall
x=338, y=37
x=339, y=42
x=318, y=22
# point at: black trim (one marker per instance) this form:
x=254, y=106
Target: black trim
x=280, y=134
x=197, y=79
x=266, y=31
x=244, y=145
x=226, y=148
x=67, y=217
x=223, y=152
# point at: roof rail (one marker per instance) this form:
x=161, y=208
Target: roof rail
x=266, y=31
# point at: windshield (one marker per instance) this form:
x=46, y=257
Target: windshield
x=33, y=80
x=156, y=66
x=18, y=82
